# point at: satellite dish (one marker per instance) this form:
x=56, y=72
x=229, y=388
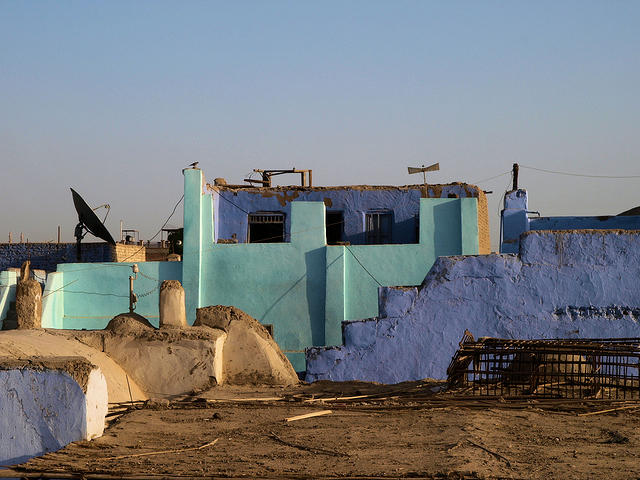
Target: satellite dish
x=423, y=170
x=87, y=220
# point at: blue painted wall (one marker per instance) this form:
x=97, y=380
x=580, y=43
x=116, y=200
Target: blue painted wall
x=515, y=221
x=563, y=284
x=47, y=256
x=230, y=212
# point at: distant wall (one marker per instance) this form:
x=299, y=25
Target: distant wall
x=46, y=256
x=516, y=221
x=127, y=253
x=562, y=285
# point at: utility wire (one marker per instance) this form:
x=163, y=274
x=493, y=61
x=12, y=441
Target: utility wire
x=232, y=203
x=102, y=294
x=365, y=268
x=58, y=289
x=159, y=231
x=579, y=174
x=491, y=178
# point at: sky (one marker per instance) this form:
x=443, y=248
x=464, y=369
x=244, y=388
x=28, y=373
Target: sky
x=114, y=98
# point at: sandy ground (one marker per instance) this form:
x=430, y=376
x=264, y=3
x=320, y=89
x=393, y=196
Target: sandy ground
x=389, y=431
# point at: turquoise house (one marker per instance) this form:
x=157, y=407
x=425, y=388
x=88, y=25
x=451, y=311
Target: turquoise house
x=302, y=288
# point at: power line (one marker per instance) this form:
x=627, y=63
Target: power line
x=238, y=207
x=103, y=294
x=579, y=174
x=365, y=268
x=159, y=231
x=491, y=178
x=58, y=289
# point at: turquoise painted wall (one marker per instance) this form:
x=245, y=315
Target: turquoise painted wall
x=305, y=288
x=88, y=295
x=8, y=282
x=53, y=301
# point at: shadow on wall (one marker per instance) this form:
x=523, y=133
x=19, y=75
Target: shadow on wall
x=447, y=241
x=315, y=261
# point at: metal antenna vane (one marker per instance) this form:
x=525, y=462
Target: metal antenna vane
x=424, y=170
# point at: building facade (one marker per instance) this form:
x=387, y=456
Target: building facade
x=320, y=257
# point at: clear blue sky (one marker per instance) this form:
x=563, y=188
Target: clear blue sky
x=114, y=98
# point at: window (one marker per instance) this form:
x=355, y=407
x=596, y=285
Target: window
x=335, y=227
x=266, y=227
x=378, y=227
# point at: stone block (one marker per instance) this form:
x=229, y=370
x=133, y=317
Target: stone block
x=29, y=304
x=172, y=306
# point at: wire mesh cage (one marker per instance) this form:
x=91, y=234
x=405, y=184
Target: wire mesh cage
x=557, y=368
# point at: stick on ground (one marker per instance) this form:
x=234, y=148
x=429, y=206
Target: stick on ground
x=308, y=415
x=164, y=451
x=308, y=449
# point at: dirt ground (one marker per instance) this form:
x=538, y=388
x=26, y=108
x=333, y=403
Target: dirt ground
x=404, y=430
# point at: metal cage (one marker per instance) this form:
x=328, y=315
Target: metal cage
x=557, y=368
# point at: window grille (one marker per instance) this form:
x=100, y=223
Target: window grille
x=266, y=218
x=266, y=227
x=378, y=227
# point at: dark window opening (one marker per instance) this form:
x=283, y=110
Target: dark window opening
x=266, y=227
x=417, y=220
x=335, y=227
x=378, y=227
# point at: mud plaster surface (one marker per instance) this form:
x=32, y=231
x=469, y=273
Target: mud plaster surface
x=77, y=368
x=389, y=437
x=251, y=356
x=163, y=362
x=281, y=188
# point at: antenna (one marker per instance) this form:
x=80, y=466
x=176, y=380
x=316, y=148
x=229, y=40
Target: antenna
x=424, y=170
x=89, y=221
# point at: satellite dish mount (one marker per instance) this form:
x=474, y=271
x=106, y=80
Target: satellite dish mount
x=88, y=221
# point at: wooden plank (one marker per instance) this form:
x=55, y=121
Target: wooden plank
x=308, y=415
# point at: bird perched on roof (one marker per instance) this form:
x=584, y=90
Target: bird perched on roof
x=194, y=165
